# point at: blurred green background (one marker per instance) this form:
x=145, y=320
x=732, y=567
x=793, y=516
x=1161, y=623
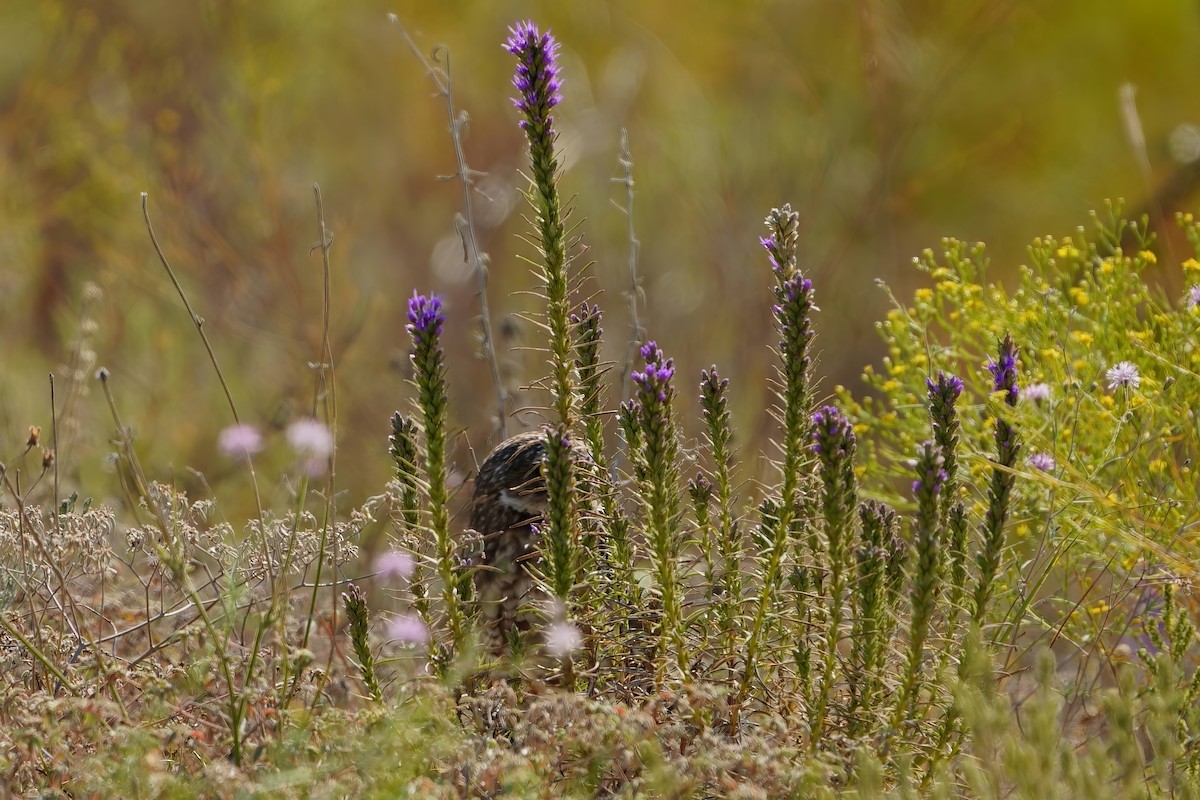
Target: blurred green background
x=886, y=124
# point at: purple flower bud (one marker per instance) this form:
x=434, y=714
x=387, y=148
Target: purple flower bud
x=832, y=433
x=947, y=388
x=425, y=316
x=1004, y=371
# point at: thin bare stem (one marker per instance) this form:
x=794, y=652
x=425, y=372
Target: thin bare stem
x=198, y=321
x=326, y=387
x=625, y=159
x=32, y=649
x=465, y=222
x=171, y=551
x=54, y=449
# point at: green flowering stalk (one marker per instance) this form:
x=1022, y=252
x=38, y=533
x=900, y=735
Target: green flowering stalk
x=627, y=424
x=355, y=601
x=834, y=444
x=402, y=447
x=926, y=579
x=700, y=490
x=870, y=630
x=616, y=549
x=560, y=533
x=792, y=309
x=1008, y=446
x=425, y=321
x=727, y=589
x=956, y=535
x=537, y=84
x=559, y=545
x=588, y=333
x=657, y=473
x=943, y=393
x=898, y=551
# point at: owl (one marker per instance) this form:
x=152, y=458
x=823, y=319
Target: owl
x=508, y=502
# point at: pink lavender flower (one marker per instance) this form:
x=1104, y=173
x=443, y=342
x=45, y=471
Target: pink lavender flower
x=408, y=628
x=1192, y=299
x=239, y=441
x=1038, y=392
x=1041, y=461
x=395, y=564
x=562, y=639
x=310, y=439
x=1123, y=375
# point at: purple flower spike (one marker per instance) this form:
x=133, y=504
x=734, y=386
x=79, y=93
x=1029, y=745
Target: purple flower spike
x=425, y=315
x=1004, y=371
x=536, y=78
x=833, y=436
x=947, y=388
x=930, y=475
x=654, y=384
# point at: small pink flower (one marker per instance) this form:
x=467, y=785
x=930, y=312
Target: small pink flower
x=395, y=564
x=408, y=628
x=310, y=439
x=1193, y=296
x=239, y=441
x=562, y=639
x=1124, y=375
x=1041, y=461
x=1038, y=392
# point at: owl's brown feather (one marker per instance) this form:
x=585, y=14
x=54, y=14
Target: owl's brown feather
x=509, y=499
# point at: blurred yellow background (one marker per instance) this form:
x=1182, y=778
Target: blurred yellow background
x=886, y=124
